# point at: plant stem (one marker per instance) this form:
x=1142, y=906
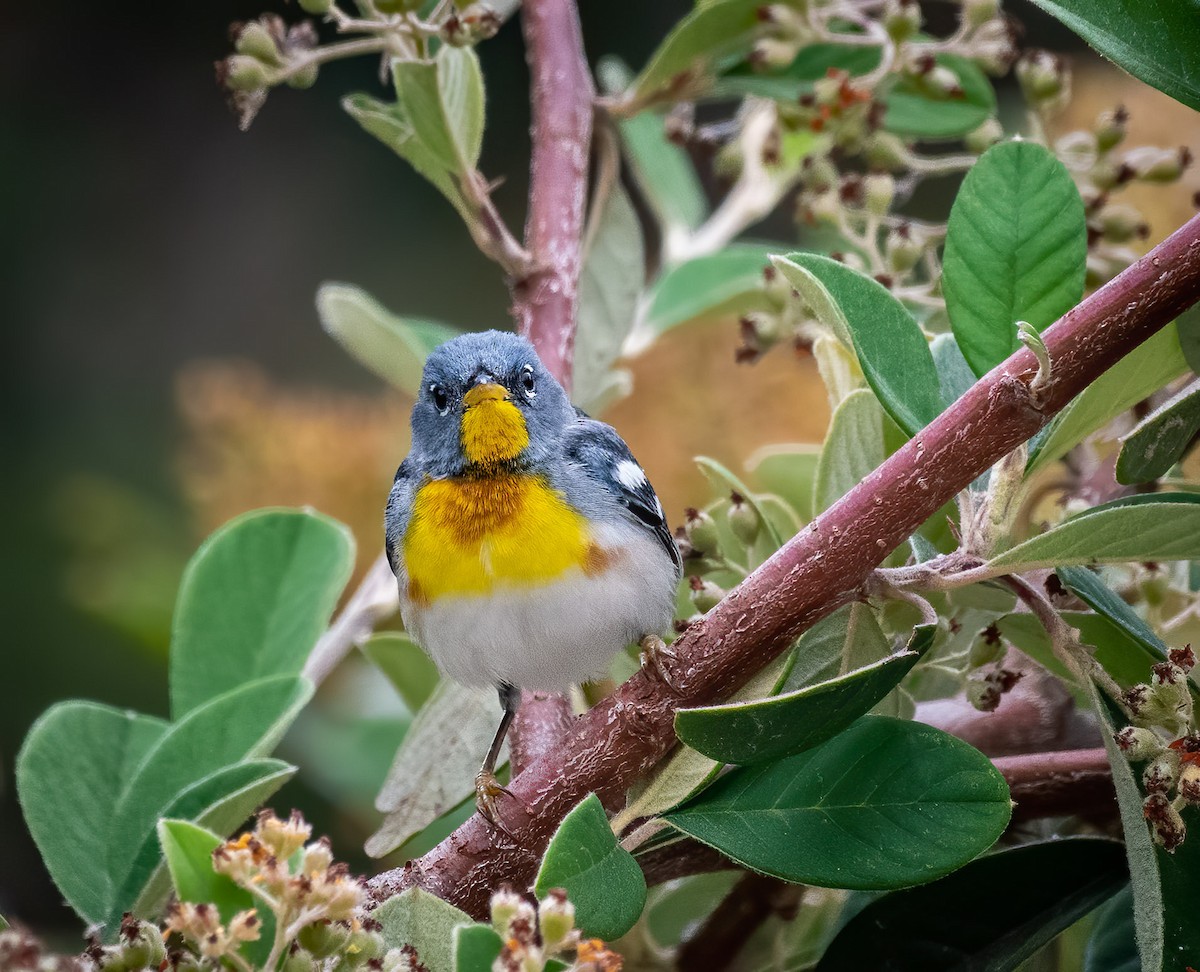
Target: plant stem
x=821, y=568
x=750, y=902
x=375, y=599
x=561, y=93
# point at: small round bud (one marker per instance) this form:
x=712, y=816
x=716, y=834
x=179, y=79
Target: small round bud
x=1077, y=150
x=744, y=520
x=365, y=945
x=879, y=190
x=1111, y=128
x=1138, y=744
x=240, y=72
x=1189, y=783
x=705, y=594
x=818, y=173
x=902, y=250
x=824, y=208
x=1150, y=164
x=1166, y=825
x=556, y=920
x=323, y=938
x=303, y=77
x=987, y=649
x=299, y=961
x=1041, y=76
x=983, y=695
x=506, y=905
x=941, y=80
x=886, y=151
x=1119, y=223
x=1162, y=772
x=976, y=13
x=981, y=139
x=771, y=53
x=701, y=530
x=255, y=40
x=1107, y=174
x=901, y=19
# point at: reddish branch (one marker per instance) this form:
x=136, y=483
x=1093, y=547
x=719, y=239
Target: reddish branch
x=822, y=567
x=1075, y=782
x=750, y=902
x=541, y=723
x=561, y=95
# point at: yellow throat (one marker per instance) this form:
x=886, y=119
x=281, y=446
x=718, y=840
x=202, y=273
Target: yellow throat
x=493, y=428
x=495, y=527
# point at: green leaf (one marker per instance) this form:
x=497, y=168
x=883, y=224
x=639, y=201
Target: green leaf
x=662, y=170
x=1146, y=369
x=1125, y=534
x=685, y=772
x=955, y=376
x=789, y=472
x=1161, y=438
x=220, y=802
x=434, y=769
x=600, y=877
x=769, y=729
x=394, y=348
x=1154, y=40
x=988, y=916
x=391, y=125
x=891, y=348
x=691, y=51
x=1016, y=250
x=424, y=921
x=614, y=269
x=1089, y=588
x=70, y=772
x=1166, y=887
x=406, y=666
x=886, y=804
x=188, y=852
x=848, y=638
x=476, y=948
x=254, y=600
x=1113, y=945
x=443, y=100
x=728, y=281
x=853, y=448
x=917, y=110
x=241, y=724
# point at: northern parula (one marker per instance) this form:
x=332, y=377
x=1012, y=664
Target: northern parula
x=528, y=544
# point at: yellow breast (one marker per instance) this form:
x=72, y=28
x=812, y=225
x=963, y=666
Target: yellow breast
x=472, y=534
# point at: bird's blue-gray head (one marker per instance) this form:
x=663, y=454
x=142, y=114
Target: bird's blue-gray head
x=487, y=401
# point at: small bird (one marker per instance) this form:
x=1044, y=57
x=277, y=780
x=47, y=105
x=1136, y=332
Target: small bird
x=528, y=545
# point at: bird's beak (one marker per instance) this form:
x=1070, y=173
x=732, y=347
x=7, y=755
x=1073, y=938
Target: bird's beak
x=486, y=392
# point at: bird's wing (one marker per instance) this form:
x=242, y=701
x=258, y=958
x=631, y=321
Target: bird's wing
x=396, y=514
x=605, y=458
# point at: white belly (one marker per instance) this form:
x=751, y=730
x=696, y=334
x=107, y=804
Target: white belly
x=555, y=635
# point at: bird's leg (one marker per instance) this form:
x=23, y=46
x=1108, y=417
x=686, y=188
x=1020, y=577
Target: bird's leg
x=487, y=787
x=654, y=655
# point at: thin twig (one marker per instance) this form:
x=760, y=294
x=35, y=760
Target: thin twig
x=724, y=933
x=375, y=599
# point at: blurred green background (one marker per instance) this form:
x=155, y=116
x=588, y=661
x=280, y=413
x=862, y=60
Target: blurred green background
x=165, y=369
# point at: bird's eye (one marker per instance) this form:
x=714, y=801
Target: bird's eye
x=441, y=400
x=527, y=381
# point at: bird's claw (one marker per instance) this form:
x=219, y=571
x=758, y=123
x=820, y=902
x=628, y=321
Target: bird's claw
x=487, y=789
x=654, y=656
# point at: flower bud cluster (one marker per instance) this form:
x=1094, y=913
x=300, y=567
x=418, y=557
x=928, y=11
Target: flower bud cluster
x=709, y=549
x=1162, y=710
x=1103, y=166
x=534, y=934
x=267, y=52
x=20, y=951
